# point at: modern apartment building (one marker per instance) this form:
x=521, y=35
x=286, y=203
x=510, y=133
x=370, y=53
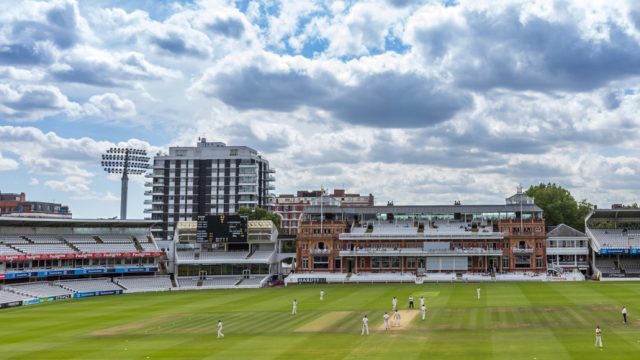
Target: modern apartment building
x=210, y=178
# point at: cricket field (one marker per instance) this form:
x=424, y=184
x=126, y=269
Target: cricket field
x=511, y=321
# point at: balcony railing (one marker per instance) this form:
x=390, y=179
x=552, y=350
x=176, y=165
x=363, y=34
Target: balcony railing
x=420, y=252
x=320, y=251
x=522, y=251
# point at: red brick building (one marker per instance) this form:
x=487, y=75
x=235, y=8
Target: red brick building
x=290, y=207
x=17, y=205
x=433, y=238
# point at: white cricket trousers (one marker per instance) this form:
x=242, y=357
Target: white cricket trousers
x=365, y=329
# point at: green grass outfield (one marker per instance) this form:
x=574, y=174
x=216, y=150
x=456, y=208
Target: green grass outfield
x=512, y=321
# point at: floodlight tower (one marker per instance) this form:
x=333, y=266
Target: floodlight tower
x=125, y=161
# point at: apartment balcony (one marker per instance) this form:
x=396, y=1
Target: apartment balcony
x=248, y=165
x=270, y=178
x=522, y=251
x=148, y=184
x=271, y=171
x=148, y=175
x=152, y=211
x=147, y=202
x=271, y=187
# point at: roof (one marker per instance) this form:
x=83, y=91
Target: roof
x=615, y=214
x=563, y=230
x=423, y=209
x=56, y=222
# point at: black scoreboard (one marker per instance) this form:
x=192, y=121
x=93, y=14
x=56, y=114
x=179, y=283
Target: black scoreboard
x=221, y=229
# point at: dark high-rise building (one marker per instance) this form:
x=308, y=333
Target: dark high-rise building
x=210, y=178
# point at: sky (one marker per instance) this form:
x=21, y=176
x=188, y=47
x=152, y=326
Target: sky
x=416, y=102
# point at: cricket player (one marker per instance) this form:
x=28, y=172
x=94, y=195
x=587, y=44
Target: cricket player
x=294, y=309
x=598, y=336
x=396, y=318
x=624, y=314
x=421, y=300
x=423, y=310
x=410, y=301
x=386, y=320
x=394, y=304
x=220, y=334
x=478, y=291
x=321, y=295
x=365, y=325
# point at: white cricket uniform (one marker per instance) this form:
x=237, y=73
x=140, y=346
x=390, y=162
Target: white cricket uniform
x=365, y=326
x=478, y=291
x=421, y=301
x=386, y=321
x=624, y=315
x=423, y=310
x=220, y=334
x=396, y=319
x=394, y=304
x=321, y=295
x=598, y=337
x=294, y=308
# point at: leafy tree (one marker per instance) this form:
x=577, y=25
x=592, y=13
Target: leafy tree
x=559, y=205
x=259, y=214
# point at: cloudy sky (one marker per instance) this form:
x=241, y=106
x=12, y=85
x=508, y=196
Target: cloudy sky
x=413, y=101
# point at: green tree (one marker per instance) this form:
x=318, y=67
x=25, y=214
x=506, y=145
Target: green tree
x=259, y=214
x=559, y=206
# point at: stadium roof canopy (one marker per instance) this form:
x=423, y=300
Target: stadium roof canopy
x=49, y=222
x=614, y=215
x=424, y=209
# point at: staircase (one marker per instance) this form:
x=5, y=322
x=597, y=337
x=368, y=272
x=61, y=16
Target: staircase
x=27, y=239
x=70, y=245
x=98, y=240
x=136, y=243
x=14, y=248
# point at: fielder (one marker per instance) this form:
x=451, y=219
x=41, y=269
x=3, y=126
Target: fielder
x=410, y=301
x=294, y=309
x=624, y=314
x=220, y=334
x=478, y=291
x=386, y=321
x=394, y=304
x=598, y=336
x=396, y=319
x=421, y=301
x=321, y=295
x=365, y=325
x=423, y=310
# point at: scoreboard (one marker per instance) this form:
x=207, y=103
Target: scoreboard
x=221, y=229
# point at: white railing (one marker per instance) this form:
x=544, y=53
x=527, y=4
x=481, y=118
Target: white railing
x=420, y=252
x=450, y=236
x=522, y=251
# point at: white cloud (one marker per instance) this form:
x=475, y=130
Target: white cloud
x=110, y=106
x=7, y=164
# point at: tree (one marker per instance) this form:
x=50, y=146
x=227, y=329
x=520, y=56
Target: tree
x=559, y=205
x=259, y=214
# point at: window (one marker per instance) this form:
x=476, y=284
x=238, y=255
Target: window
x=305, y=262
x=321, y=262
x=411, y=262
x=505, y=262
x=539, y=261
x=523, y=261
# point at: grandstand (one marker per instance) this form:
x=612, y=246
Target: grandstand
x=614, y=238
x=41, y=249
x=422, y=239
x=222, y=264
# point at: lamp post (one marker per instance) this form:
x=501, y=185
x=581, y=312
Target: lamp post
x=125, y=161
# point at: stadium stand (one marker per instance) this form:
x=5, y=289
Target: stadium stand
x=145, y=284
x=88, y=285
x=6, y=296
x=38, y=290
